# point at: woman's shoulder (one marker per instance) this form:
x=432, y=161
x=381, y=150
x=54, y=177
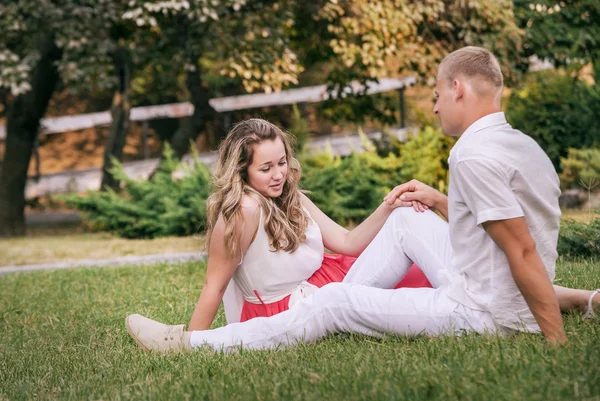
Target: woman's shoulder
x=250, y=203
x=304, y=199
x=309, y=207
x=250, y=207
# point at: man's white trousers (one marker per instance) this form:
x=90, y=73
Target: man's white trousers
x=364, y=302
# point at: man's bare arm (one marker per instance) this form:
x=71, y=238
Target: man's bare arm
x=529, y=273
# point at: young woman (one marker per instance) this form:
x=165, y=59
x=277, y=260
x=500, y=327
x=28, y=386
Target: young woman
x=266, y=239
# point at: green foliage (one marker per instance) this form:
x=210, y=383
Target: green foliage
x=249, y=40
x=415, y=34
x=358, y=109
x=348, y=189
x=387, y=143
x=578, y=239
x=420, y=117
x=425, y=157
x=162, y=206
x=367, y=40
x=564, y=32
x=581, y=169
x=299, y=129
x=558, y=111
x=76, y=28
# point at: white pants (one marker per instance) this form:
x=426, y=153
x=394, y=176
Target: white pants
x=364, y=302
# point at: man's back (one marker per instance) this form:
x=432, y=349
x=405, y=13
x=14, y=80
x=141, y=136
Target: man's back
x=498, y=173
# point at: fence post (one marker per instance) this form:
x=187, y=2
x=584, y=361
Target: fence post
x=145, y=139
x=227, y=121
x=402, y=108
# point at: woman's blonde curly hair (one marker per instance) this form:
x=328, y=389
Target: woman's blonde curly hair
x=285, y=220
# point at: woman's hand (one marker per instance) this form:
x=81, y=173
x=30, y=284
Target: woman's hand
x=415, y=204
x=421, y=197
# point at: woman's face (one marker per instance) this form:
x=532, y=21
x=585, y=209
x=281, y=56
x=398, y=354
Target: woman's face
x=268, y=170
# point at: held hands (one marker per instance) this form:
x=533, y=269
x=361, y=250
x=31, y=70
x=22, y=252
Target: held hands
x=413, y=193
x=418, y=206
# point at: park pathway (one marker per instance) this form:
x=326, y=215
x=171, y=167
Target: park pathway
x=112, y=262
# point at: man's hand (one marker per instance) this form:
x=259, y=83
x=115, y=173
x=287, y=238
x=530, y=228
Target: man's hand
x=418, y=206
x=419, y=192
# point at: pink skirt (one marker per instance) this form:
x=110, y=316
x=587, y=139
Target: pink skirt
x=333, y=270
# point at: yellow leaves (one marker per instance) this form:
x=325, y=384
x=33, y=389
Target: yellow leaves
x=524, y=93
x=417, y=33
x=269, y=70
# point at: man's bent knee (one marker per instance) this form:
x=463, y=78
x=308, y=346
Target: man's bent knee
x=407, y=215
x=332, y=293
x=402, y=215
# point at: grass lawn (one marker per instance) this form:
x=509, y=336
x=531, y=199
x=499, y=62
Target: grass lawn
x=63, y=337
x=583, y=216
x=50, y=249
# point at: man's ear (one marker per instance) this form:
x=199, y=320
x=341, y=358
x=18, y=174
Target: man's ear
x=458, y=89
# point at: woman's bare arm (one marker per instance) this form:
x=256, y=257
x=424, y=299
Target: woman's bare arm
x=221, y=266
x=340, y=240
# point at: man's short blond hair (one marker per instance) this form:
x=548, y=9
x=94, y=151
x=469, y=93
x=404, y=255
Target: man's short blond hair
x=476, y=64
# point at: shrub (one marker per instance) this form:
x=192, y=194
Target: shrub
x=348, y=189
x=579, y=239
x=581, y=169
x=558, y=111
x=299, y=129
x=425, y=158
x=162, y=206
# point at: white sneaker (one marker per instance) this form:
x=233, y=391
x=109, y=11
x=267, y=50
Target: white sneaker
x=155, y=336
x=590, y=314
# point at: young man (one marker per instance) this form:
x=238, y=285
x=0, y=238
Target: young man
x=491, y=265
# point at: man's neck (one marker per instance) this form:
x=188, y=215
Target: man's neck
x=478, y=113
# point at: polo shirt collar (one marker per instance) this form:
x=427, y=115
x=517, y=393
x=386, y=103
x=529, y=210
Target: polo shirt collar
x=491, y=120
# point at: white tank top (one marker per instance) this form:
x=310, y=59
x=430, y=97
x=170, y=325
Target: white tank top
x=269, y=276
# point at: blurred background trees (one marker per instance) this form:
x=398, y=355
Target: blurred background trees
x=121, y=54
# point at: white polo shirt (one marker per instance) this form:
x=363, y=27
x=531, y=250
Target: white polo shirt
x=498, y=173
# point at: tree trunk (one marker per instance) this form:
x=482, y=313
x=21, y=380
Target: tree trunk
x=22, y=123
x=120, y=118
x=180, y=142
x=199, y=95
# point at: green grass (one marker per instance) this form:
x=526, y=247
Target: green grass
x=62, y=336
x=580, y=215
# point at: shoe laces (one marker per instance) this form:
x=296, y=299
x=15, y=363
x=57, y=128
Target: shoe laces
x=170, y=333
